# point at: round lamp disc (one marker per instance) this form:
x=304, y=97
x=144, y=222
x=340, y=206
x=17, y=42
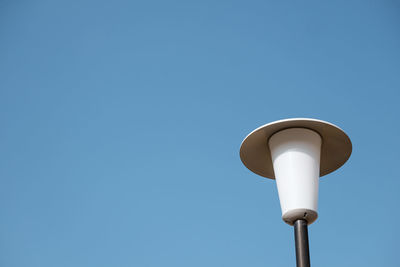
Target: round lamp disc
x=335, y=150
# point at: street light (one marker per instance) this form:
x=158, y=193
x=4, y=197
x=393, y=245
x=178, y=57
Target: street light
x=296, y=152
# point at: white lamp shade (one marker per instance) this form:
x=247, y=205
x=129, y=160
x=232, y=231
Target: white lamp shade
x=295, y=155
x=296, y=152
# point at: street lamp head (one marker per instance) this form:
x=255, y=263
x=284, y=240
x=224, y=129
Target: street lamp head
x=296, y=152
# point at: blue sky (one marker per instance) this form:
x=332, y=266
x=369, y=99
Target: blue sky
x=121, y=123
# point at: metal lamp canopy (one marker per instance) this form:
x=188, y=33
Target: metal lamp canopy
x=335, y=149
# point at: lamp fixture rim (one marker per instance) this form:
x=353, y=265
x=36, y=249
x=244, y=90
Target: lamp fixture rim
x=336, y=146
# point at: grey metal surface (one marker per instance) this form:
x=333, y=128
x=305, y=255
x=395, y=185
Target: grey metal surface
x=335, y=150
x=301, y=241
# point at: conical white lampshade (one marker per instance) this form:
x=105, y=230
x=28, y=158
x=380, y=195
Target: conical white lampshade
x=295, y=154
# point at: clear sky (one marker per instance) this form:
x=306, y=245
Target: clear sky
x=121, y=123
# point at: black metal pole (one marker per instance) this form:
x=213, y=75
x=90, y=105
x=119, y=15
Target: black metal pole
x=301, y=240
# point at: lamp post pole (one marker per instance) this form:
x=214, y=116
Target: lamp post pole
x=301, y=241
x=296, y=153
